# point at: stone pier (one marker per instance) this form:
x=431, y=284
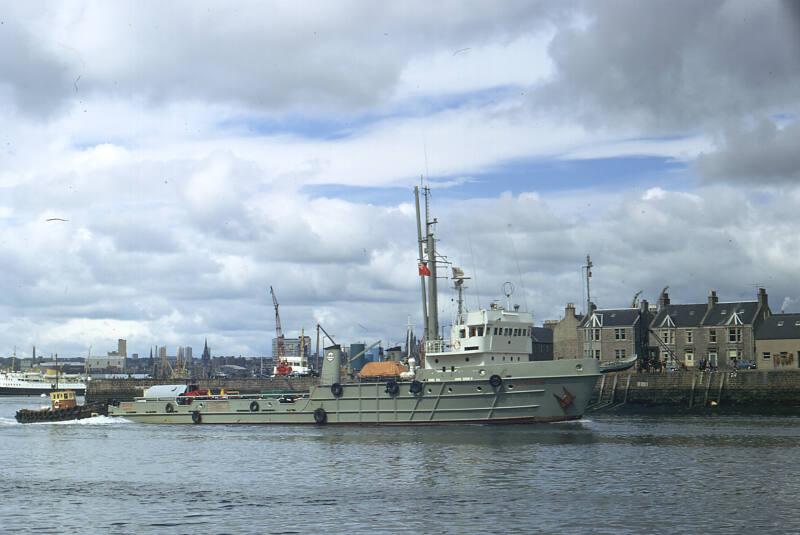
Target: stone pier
x=695, y=391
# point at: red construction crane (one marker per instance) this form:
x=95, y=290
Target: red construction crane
x=282, y=367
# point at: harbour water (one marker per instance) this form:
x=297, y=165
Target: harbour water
x=604, y=474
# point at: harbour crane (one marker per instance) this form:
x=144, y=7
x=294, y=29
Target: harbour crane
x=282, y=368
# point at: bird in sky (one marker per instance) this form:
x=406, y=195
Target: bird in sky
x=56, y=219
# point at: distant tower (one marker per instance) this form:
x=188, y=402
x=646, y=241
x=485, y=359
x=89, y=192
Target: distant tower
x=206, y=359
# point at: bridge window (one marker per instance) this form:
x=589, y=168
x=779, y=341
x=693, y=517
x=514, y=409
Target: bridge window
x=462, y=333
x=480, y=330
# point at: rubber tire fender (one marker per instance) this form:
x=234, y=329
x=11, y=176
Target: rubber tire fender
x=197, y=417
x=495, y=381
x=320, y=416
x=416, y=387
x=336, y=390
x=392, y=388
x=169, y=408
x=254, y=406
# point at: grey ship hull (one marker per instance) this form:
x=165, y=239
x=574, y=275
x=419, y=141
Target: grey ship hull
x=529, y=392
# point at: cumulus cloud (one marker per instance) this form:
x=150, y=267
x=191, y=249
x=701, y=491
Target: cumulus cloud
x=183, y=144
x=676, y=65
x=763, y=154
x=269, y=56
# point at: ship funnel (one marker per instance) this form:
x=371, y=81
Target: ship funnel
x=331, y=365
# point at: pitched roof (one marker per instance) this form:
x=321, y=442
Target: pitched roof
x=779, y=327
x=681, y=315
x=614, y=317
x=720, y=315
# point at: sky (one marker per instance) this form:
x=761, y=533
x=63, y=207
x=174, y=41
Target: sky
x=162, y=164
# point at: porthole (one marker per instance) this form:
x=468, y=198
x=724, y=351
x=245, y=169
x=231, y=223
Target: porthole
x=510, y=387
x=429, y=391
x=492, y=358
x=449, y=388
x=480, y=389
x=436, y=361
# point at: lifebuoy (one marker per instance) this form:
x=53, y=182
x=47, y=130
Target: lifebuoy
x=495, y=381
x=392, y=388
x=416, y=387
x=320, y=416
x=456, y=344
x=196, y=417
x=254, y=406
x=336, y=390
x=170, y=408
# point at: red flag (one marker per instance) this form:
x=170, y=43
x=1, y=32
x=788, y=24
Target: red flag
x=424, y=271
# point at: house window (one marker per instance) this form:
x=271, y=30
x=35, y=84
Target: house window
x=766, y=355
x=666, y=336
x=597, y=354
x=712, y=358
x=712, y=336
x=619, y=334
x=689, y=358
x=690, y=337
x=596, y=335
x=735, y=334
x=619, y=354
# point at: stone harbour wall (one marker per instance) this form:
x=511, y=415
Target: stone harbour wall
x=695, y=391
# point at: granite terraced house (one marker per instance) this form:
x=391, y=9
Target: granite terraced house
x=713, y=334
x=778, y=342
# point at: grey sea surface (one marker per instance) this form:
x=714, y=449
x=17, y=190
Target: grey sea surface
x=604, y=474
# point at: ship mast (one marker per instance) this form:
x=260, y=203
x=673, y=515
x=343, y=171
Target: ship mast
x=458, y=282
x=421, y=266
x=433, y=294
x=588, y=268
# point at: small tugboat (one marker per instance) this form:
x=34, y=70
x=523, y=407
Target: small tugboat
x=63, y=406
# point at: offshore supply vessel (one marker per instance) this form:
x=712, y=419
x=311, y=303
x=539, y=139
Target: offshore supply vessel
x=481, y=374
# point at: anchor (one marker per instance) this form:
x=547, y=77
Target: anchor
x=565, y=401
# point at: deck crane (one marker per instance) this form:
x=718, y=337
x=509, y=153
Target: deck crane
x=282, y=368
